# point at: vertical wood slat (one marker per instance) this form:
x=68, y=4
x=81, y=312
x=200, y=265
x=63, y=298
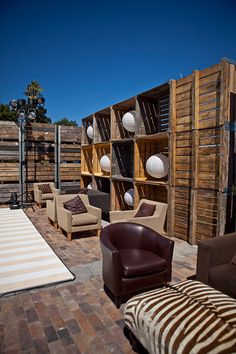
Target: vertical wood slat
x=195, y=154
x=222, y=201
x=171, y=211
x=224, y=144
x=172, y=106
x=136, y=196
x=172, y=136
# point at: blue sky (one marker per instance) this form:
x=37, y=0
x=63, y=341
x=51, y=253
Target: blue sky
x=88, y=55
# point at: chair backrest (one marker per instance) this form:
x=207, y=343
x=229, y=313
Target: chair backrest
x=130, y=235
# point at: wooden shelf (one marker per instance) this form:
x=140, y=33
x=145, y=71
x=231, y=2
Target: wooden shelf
x=152, y=137
x=101, y=175
x=152, y=182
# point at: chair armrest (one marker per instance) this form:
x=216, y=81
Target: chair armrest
x=94, y=211
x=150, y=221
x=214, y=252
x=56, y=191
x=64, y=217
x=121, y=215
x=38, y=196
x=112, y=270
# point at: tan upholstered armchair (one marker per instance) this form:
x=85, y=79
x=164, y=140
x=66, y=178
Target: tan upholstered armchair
x=71, y=223
x=40, y=197
x=52, y=212
x=155, y=222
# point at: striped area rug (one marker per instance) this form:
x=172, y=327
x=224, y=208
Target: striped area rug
x=26, y=260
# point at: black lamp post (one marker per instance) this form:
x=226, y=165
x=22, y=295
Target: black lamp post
x=26, y=113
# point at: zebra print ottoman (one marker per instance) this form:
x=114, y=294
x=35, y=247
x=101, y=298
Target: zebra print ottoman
x=188, y=317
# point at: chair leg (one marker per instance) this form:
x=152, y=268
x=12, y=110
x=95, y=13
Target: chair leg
x=69, y=236
x=55, y=225
x=98, y=232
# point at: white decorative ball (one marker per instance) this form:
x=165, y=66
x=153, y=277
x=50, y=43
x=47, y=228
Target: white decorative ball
x=157, y=166
x=105, y=163
x=129, y=197
x=90, y=132
x=90, y=186
x=128, y=121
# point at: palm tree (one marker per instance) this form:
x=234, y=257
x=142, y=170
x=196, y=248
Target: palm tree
x=33, y=90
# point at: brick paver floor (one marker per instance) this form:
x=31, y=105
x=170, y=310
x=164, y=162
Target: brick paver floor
x=73, y=317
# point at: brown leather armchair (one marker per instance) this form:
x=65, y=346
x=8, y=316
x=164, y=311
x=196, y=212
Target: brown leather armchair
x=135, y=258
x=215, y=265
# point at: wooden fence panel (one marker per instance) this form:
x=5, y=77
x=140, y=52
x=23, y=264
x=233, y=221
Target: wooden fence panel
x=40, y=148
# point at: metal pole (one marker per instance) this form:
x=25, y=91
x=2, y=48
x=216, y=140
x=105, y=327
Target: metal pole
x=21, y=160
x=57, y=154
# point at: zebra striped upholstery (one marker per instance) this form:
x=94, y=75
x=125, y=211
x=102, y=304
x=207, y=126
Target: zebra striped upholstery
x=188, y=317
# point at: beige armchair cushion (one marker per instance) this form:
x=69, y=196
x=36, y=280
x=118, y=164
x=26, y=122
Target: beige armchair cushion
x=46, y=196
x=84, y=219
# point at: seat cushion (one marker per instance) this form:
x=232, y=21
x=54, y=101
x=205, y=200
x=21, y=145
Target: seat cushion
x=138, y=262
x=47, y=196
x=84, y=219
x=223, y=278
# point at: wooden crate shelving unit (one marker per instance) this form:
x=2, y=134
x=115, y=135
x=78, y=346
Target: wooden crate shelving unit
x=152, y=111
x=102, y=126
x=118, y=132
x=100, y=150
x=189, y=121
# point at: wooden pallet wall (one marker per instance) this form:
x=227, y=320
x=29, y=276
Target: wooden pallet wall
x=199, y=145
x=39, y=152
x=70, y=155
x=9, y=159
x=40, y=148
